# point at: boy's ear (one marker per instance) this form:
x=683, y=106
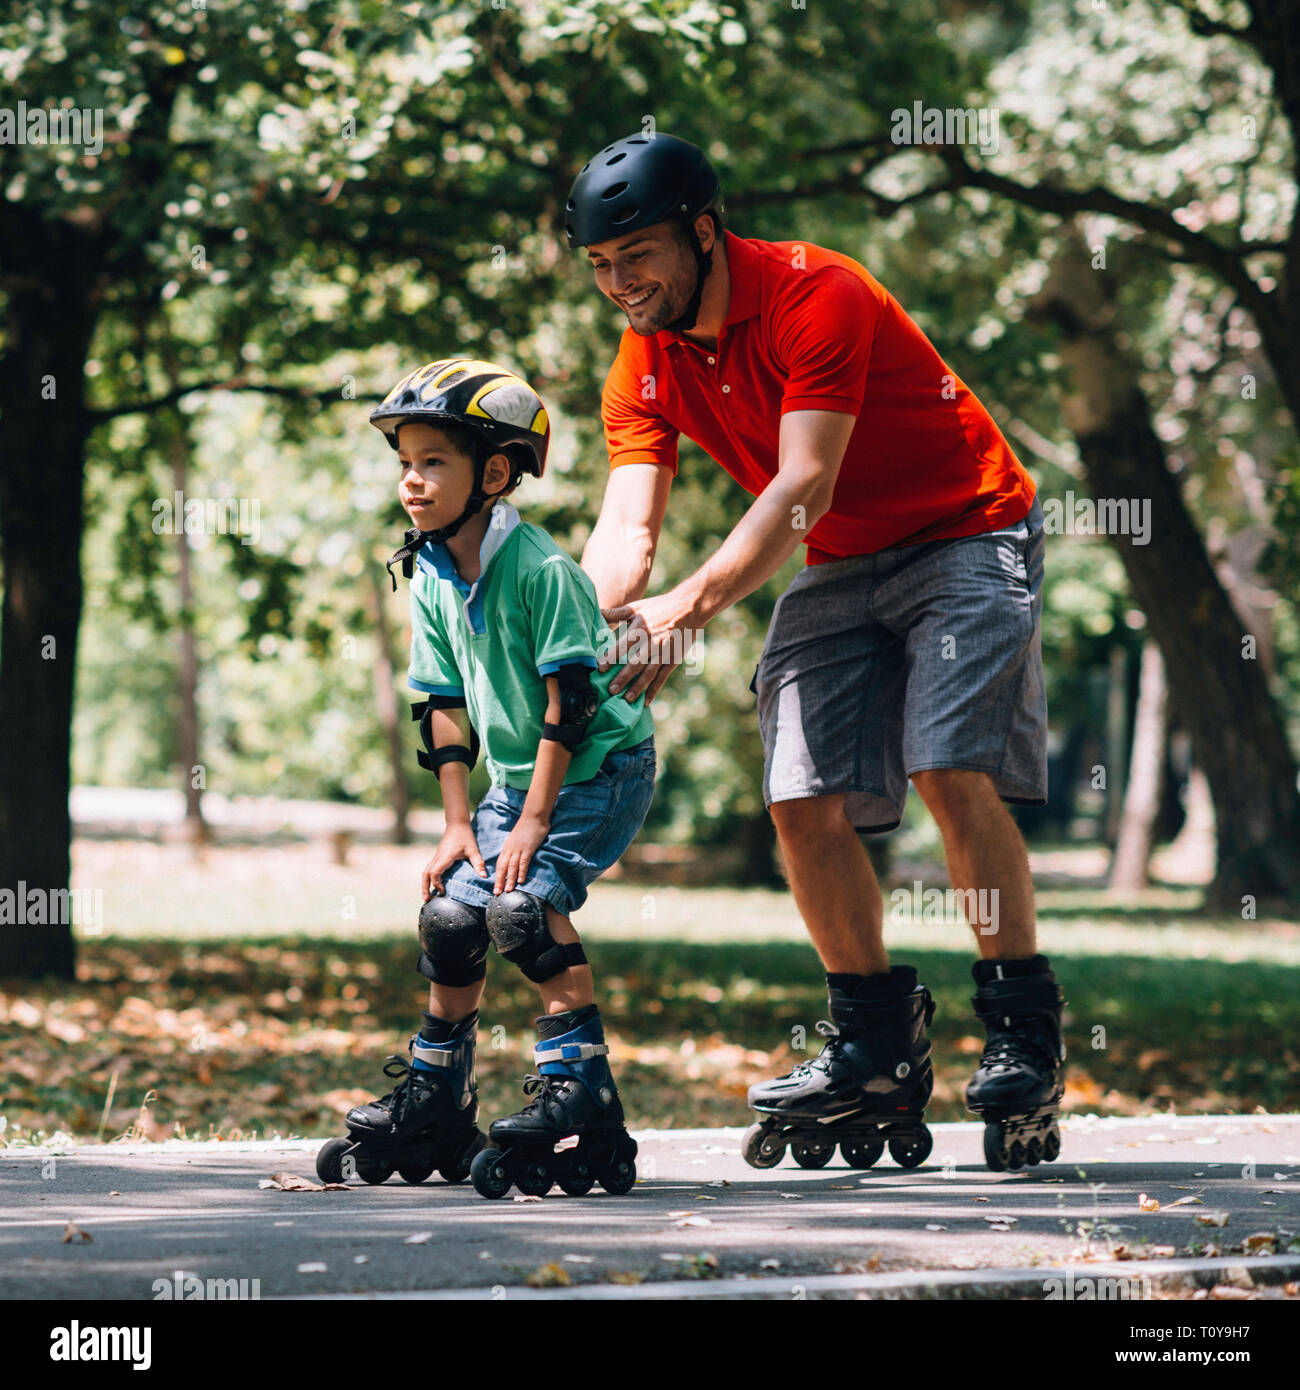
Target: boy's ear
x=496, y=472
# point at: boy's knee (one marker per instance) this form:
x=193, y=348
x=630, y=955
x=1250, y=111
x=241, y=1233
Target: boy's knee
x=453, y=942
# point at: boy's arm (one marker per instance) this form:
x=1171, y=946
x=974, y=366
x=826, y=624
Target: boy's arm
x=551, y=766
x=449, y=727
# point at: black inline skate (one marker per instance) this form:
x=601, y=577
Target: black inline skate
x=869, y=1085
x=1018, y=1086
x=575, y=1095
x=429, y=1120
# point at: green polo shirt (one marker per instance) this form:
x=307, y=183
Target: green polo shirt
x=531, y=610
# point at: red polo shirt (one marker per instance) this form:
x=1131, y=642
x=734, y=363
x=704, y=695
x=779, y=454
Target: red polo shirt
x=810, y=329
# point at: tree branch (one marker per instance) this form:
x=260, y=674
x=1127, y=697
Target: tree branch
x=98, y=414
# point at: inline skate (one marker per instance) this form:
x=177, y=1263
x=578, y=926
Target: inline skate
x=868, y=1087
x=428, y=1121
x=574, y=1096
x=1019, y=1083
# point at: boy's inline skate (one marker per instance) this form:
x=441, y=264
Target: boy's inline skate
x=868, y=1086
x=575, y=1095
x=1018, y=1086
x=429, y=1120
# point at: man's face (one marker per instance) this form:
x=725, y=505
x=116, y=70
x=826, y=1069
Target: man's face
x=649, y=274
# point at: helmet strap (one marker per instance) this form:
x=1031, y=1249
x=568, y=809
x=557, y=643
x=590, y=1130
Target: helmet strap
x=414, y=540
x=703, y=265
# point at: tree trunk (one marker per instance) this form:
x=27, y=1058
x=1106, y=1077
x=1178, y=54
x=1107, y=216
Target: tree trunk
x=1128, y=869
x=49, y=322
x=389, y=708
x=1116, y=740
x=187, y=729
x=1216, y=685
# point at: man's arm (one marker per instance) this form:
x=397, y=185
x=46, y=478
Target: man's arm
x=811, y=448
x=620, y=551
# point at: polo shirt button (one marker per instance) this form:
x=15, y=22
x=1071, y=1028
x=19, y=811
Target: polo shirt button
x=712, y=361
x=725, y=390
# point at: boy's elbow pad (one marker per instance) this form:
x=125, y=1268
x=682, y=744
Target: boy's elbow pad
x=579, y=701
x=431, y=758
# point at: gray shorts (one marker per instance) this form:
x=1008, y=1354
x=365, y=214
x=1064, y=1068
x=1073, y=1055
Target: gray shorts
x=920, y=656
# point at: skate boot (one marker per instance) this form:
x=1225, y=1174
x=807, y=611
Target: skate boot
x=1018, y=1086
x=869, y=1085
x=429, y=1120
x=574, y=1095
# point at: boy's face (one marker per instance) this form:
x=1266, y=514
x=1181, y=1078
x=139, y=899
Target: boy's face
x=436, y=476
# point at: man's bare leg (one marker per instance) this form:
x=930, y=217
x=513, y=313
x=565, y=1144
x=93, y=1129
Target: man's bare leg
x=985, y=852
x=833, y=883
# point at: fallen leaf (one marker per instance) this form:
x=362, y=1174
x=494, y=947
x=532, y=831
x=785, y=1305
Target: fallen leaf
x=114, y=1194
x=1261, y=1243
x=313, y=1267
x=1001, y=1220
x=548, y=1276
x=931, y=1226
x=1146, y=1203
x=1187, y=1202
x=1228, y=1291
x=361, y=1259
x=1212, y=1218
x=769, y=1264
x=580, y=1259
x=693, y=1221
x=419, y=1238
x=73, y=1234
x=980, y=1199
x=291, y=1182
x=625, y=1276
x=522, y=1197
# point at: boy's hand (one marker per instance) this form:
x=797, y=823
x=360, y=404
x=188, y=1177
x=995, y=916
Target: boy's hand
x=518, y=850
x=457, y=843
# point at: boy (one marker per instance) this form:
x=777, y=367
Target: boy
x=505, y=630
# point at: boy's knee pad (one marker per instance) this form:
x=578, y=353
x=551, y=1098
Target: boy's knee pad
x=516, y=922
x=453, y=942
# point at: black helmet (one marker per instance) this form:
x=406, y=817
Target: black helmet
x=636, y=182
x=641, y=180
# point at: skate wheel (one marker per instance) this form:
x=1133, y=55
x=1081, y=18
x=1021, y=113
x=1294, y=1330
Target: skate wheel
x=374, y=1170
x=912, y=1151
x=457, y=1170
x=415, y=1173
x=994, y=1157
x=807, y=1153
x=329, y=1160
x=762, y=1147
x=619, y=1178
x=1016, y=1157
x=578, y=1181
x=535, y=1180
x=488, y=1173
x=864, y=1154
x=1052, y=1147
x=1033, y=1153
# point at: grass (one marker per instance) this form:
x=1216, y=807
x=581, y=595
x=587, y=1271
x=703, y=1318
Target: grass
x=280, y=1035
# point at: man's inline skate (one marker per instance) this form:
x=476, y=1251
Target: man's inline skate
x=574, y=1095
x=1018, y=1086
x=428, y=1121
x=869, y=1085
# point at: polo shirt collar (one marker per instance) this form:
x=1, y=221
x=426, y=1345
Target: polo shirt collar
x=436, y=558
x=744, y=266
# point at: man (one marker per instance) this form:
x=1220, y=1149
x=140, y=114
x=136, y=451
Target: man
x=908, y=647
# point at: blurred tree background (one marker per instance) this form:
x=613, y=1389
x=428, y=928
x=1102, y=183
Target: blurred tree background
x=294, y=205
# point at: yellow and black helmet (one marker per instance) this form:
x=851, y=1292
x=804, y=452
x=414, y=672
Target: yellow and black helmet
x=493, y=401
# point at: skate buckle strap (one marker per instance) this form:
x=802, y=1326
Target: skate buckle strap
x=569, y=1052
x=434, y=1056
x=1024, y=994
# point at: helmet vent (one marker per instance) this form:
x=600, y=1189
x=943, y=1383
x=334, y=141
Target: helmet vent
x=637, y=140
x=614, y=158
x=626, y=215
x=614, y=190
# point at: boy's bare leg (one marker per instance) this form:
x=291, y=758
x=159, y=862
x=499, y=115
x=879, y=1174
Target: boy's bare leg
x=454, y=1002
x=833, y=883
x=572, y=988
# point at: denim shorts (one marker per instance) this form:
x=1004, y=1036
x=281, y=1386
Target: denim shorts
x=592, y=823
x=918, y=656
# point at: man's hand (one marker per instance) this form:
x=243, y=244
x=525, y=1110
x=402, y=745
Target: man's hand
x=457, y=843
x=517, y=852
x=660, y=631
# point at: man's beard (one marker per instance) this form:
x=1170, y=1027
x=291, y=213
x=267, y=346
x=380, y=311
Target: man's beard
x=671, y=301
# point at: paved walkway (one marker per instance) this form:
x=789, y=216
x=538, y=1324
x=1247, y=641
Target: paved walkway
x=699, y=1221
